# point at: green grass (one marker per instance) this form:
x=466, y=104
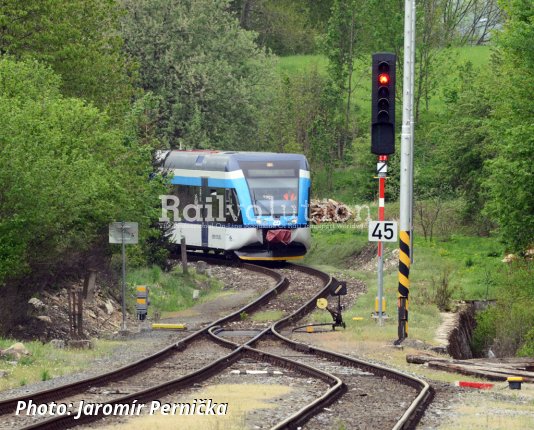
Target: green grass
x=470, y=260
x=47, y=362
x=479, y=55
x=334, y=250
x=172, y=291
x=292, y=64
x=295, y=64
x=333, y=245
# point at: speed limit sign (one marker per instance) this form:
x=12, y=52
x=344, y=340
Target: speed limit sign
x=382, y=231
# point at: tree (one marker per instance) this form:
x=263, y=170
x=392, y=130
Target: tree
x=78, y=39
x=510, y=172
x=65, y=173
x=286, y=27
x=454, y=145
x=209, y=74
x=342, y=47
x=469, y=21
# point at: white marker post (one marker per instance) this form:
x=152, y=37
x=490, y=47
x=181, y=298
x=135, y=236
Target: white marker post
x=382, y=169
x=381, y=231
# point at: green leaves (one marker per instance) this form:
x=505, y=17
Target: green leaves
x=208, y=73
x=65, y=173
x=510, y=175
x=78, y=39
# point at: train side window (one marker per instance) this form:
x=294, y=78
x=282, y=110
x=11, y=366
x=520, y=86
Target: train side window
x=215, y=204
x=187, y=195
x=232, y=209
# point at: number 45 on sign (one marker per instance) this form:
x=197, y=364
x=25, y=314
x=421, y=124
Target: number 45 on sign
x=382, y=231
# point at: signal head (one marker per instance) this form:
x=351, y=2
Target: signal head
x=383, y=103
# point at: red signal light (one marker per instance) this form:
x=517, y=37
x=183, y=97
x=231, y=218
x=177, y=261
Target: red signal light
x=383, y=79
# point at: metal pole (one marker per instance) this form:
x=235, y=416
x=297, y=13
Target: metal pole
x=405, y=169
x=123, y=278
x=412, y=129
x=382, y=173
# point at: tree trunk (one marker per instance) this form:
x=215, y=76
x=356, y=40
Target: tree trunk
x=244, y=20
x=345, y=137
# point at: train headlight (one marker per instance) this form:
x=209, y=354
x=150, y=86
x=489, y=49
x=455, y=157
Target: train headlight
x=294, y=221
x=258, y=221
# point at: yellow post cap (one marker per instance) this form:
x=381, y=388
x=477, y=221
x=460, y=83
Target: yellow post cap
x=514, y=379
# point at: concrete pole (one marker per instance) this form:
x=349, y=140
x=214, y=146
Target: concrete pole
x=412, y=130
x=405, y=171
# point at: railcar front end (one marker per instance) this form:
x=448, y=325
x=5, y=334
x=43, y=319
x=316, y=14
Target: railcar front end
x=255, y=205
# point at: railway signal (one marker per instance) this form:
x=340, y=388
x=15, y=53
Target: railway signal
x=383, y=103
x=383, y=78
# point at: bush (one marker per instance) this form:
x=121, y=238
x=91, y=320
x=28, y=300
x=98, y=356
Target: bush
x=527, y=350
x=484, y=333
x=508, y=327
x=443, y=290
x=170, y=291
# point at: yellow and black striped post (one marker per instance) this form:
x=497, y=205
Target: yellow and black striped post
x=404, y=283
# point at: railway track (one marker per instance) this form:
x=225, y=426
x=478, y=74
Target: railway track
x=266, y=342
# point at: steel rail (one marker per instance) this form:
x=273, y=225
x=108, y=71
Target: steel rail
x=68, y=421
x=9, y=405
x=410, y=417
x=414, y=412
x=337, y=388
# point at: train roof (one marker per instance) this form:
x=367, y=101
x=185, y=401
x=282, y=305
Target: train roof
x=225, y=161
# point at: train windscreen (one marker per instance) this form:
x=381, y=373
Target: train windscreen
x=274, y=187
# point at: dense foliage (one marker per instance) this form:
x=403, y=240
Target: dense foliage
x=65, y=174
x=510, y=174
x=79, y=39
x=210, y=76
x=508, y=326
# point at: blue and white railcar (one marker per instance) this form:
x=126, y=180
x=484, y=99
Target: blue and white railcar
x=253, y=204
